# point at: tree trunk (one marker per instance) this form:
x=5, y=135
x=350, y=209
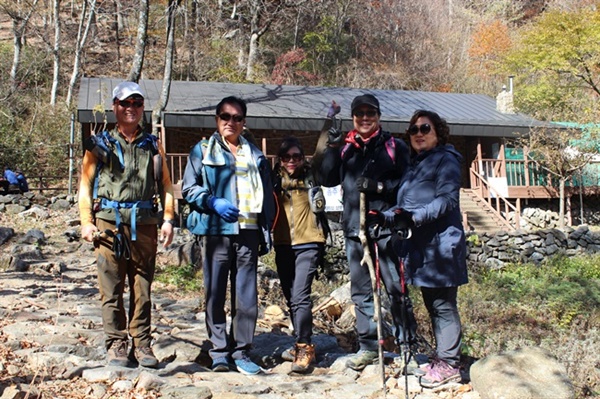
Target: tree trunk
x=18, y=45
x=19, y=24
x=56, y=52
x=169, y=52
x=117, y=29
x=140, y=45
x=82, y=35
x=252, y=50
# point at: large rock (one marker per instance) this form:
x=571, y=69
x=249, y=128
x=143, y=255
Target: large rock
x=528, y=373
x=6, y=233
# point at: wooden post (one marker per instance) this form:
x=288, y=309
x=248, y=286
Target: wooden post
x=526, y=161
x=502, y=171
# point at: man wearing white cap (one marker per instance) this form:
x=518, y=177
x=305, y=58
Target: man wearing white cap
x=124, y=184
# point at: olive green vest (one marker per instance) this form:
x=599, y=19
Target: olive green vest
x=134, y=183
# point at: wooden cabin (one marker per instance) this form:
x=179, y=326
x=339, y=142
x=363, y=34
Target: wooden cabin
x=478, y=129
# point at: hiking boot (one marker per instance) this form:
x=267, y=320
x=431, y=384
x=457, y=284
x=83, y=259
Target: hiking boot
x=412, y=368
x=220, y=365
x=289, y=355
x=440, y=373
x=362, y=359
x=246, y=366
x=304, y=356
x=145, y=357
x=117, y=354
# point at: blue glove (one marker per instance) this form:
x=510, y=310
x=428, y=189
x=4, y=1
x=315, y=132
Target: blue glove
x=225, y=209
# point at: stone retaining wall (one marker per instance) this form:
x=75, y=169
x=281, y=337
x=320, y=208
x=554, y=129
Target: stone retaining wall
x=494, y=250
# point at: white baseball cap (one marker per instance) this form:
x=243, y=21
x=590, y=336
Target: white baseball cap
x=127, y=89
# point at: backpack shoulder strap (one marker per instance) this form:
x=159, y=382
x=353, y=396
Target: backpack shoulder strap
x=390, y=146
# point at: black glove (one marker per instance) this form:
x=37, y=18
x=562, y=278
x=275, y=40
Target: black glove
x=403, y=220
x=375, y=217
x=366, y=185
x=375, y=221
x=334, y=136
x=404, y=234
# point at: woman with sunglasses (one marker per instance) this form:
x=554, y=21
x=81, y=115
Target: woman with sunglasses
x=435, y=254
x=299, y=240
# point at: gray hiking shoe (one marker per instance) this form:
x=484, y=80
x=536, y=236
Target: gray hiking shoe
x=117, y=354
x=362, y=359
x=412, y=368
x=289, y=355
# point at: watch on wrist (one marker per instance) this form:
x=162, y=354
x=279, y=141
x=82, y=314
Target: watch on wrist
x=170, y=221
x=379, y=187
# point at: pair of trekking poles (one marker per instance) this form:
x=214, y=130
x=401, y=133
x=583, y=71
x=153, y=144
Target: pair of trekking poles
x=374, y=272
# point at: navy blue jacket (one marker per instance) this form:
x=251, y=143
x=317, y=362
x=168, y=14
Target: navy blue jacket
x=383, y=158
x=435, y=255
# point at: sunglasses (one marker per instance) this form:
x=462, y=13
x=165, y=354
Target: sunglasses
x=227, y=117
x=414, y=129
x=370, y=113
x=297, y=157
x=131, y=103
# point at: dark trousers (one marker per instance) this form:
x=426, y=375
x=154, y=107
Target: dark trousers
x=139, y=270
x=362, y=292
x=297, y=268
x=233, y=258
x=442, y=307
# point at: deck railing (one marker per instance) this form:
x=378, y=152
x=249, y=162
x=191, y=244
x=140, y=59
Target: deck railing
x=494, y=200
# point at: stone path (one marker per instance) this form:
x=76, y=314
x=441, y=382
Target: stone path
x=51, y=344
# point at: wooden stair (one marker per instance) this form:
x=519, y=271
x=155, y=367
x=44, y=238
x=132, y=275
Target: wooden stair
x=478, y=216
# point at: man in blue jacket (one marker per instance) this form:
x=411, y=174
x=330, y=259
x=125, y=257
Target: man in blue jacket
x=227, y=183
x=371, y=161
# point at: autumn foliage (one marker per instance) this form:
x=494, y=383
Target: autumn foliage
x=489, y=43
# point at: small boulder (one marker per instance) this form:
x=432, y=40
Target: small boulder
x=525, y=373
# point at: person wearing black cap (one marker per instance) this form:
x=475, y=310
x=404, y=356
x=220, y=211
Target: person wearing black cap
x=373, y=162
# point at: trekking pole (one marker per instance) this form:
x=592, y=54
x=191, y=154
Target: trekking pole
x=368, y=260
x=406, y=353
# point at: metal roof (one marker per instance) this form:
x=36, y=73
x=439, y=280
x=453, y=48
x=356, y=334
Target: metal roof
x=299, y=108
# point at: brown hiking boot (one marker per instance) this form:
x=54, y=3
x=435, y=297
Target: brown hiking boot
x=117, y=354
x=145, y=357
x=305, y=355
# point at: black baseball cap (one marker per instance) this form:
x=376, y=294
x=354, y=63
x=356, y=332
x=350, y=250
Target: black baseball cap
x=365, y=99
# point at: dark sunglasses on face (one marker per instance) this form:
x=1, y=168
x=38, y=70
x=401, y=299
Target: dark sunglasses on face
x=414, y=129
x=227, y=117
x=297, y=157
x=370, y=113
x=131, y=103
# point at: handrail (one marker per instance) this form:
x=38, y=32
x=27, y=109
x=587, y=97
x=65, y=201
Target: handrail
x=479, y=189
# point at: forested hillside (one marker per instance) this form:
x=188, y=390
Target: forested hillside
x=550, y=47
